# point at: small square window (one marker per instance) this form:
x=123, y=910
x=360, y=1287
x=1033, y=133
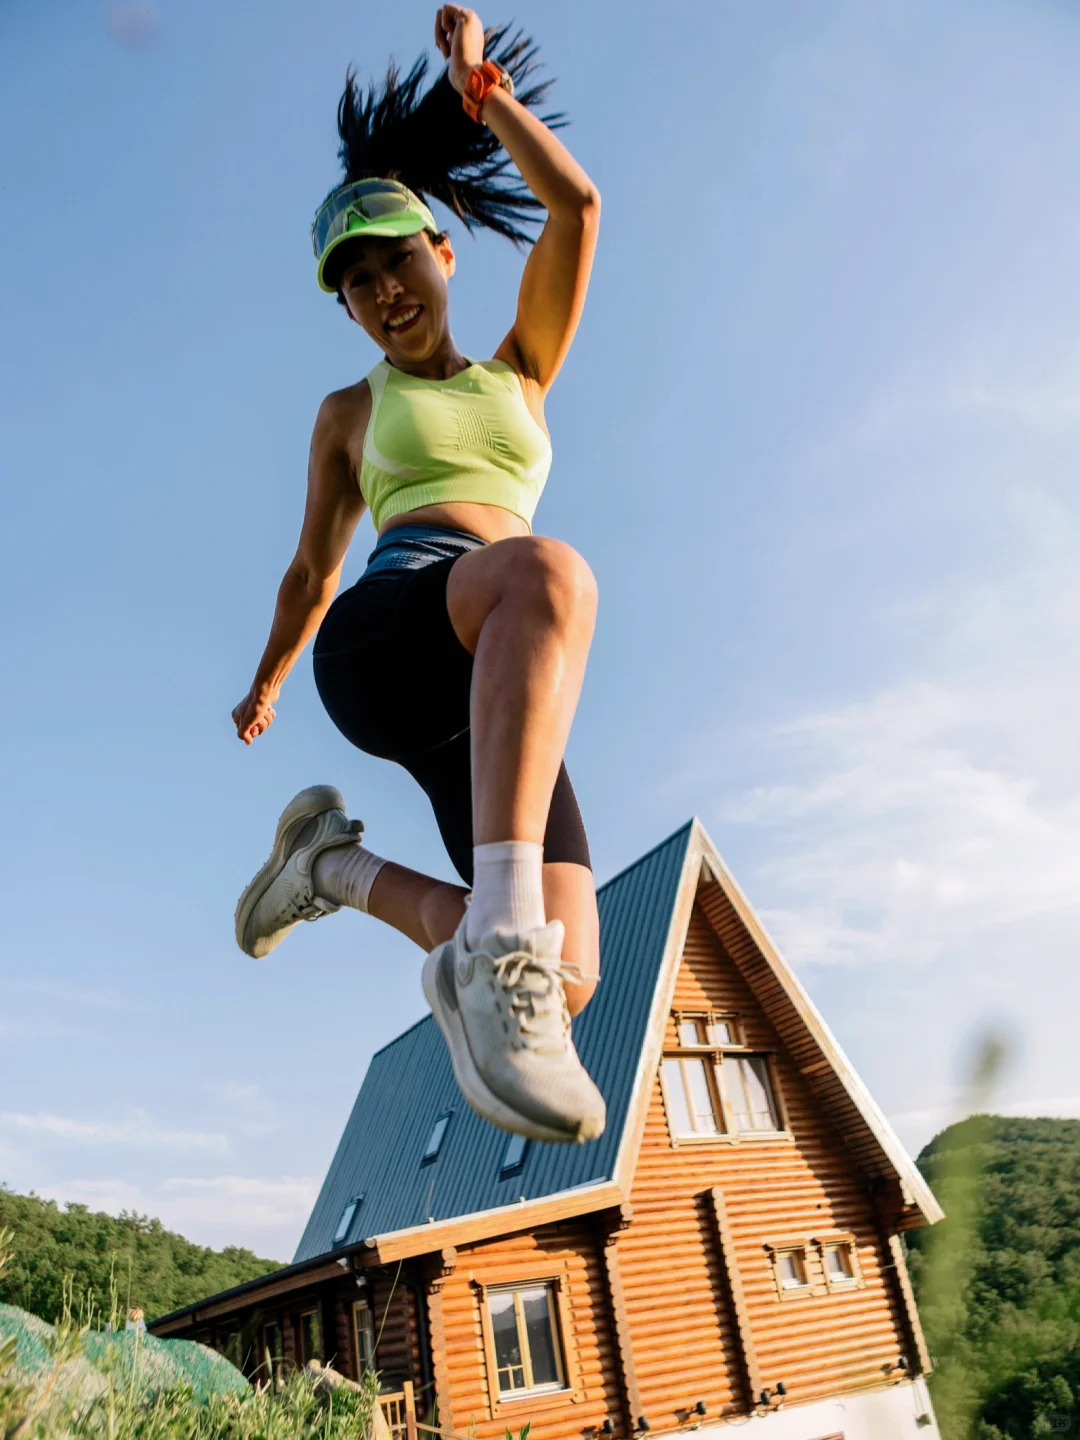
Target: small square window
x=514, y=1154
x=525, y=1340
x=709, y=1030
x=791, y=1268
x=435, y=1139
x=344, y=1225
x=840, y=1264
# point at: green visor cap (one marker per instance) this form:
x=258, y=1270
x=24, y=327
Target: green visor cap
x=362, y=208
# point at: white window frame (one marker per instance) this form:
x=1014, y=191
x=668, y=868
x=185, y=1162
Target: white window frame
x=776, y=1251
x=844, y=1241
x=730, y=1018
x=713, y=1056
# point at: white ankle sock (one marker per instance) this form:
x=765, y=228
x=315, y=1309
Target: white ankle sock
x=508, y=889
x=345, y=874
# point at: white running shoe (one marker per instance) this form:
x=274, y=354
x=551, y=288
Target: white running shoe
x=502, y=1010
x=282, y=893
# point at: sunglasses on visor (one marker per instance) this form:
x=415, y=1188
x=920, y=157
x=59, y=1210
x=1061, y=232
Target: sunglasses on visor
x=365, y=200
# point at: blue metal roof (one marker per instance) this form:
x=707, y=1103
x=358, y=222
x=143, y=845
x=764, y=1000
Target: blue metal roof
x=409, y=1084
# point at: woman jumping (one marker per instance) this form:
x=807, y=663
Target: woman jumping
x=461, y=650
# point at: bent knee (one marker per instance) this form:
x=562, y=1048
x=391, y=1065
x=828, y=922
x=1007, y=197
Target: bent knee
x=555, y=578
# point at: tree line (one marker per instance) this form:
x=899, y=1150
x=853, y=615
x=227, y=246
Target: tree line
x=152, y=1266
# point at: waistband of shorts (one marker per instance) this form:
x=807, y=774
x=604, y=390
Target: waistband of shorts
x=411, y=547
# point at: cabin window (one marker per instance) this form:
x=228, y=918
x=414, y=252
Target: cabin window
x=707, y=1031
x=364, y=1337
x=311, y=1337
x=233, y=1351
x=344, y=1225
x=525, y=1340
x=719, y=1094
x=273, y=1356
x=840, y=1262
x=435, y=1139
x=790, y=1270
x=749, y=1093
x=692, y=1102
x=513, y=1155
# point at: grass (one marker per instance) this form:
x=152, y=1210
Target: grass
x=123, y=1402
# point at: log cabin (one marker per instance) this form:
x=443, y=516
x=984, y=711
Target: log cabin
x=729, y=1253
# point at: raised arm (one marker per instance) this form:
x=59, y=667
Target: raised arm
x=333, y=510
x=556, y=276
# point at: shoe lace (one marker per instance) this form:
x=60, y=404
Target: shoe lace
x=305, y=907
x=537, y=998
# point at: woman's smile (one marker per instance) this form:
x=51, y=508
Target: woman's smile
x=403, y=317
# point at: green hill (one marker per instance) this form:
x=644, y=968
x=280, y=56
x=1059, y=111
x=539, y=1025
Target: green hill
x=998, y=1282
x=153, y=1267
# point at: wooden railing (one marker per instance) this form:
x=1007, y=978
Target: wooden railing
x=399, y=1410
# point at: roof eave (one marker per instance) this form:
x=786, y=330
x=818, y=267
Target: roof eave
x=484, y=1224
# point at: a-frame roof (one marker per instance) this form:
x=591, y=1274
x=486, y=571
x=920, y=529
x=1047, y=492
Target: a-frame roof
x=409, y=1207
x=410, y=1083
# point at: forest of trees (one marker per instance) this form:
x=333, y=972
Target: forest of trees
x=998, y=1281
x=153, y=1267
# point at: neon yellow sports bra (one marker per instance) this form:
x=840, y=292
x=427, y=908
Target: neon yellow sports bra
x=469, y=438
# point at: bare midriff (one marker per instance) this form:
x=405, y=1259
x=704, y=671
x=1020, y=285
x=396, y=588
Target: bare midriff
x=489, y=522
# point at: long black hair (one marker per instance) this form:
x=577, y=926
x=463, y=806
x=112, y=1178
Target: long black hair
x=428, y=142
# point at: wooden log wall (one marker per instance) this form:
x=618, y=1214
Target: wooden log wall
x=572, y=1250
x=818, y=1344
x=393, y=1308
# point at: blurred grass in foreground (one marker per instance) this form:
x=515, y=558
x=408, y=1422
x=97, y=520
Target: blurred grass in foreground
x=99, y=1384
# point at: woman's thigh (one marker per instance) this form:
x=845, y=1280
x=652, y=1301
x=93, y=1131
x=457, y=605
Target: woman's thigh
x=390, y=671
x=550, y=570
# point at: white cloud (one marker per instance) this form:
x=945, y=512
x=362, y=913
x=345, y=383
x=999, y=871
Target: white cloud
x=946, y=805
x=83, y=997
x=248, y=1109
x=137, y=1131
x=265, y=1214
x=241, y=1200
x=916, y=825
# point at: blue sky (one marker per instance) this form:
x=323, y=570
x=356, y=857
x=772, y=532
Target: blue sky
x=817, y=437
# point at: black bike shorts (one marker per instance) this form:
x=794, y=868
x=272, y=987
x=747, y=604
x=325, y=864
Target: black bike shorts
x=395, y=679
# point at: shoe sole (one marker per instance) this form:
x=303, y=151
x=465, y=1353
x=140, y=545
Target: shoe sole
x=469, y=1080
x=309, y=803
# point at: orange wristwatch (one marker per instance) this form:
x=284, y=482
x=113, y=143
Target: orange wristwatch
x=482, y=80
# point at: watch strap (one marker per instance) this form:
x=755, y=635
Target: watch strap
x=482, y=80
